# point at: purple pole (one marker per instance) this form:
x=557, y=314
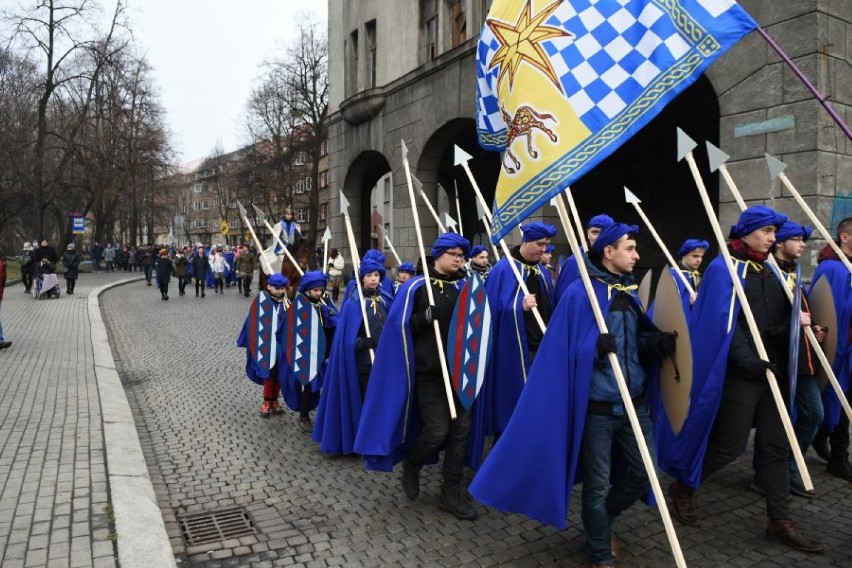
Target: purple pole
x=808, y=84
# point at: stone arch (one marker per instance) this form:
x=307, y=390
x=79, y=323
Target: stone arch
x=366, y=169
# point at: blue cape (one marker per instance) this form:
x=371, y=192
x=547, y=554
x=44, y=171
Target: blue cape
x=535, y=463
x=568, y=274
x=388, y=423
x=711, y=325
x=841, y=287
x=230, y=270
x=339, y=407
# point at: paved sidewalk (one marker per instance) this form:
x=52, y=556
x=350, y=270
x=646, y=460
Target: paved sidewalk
x=58, y=505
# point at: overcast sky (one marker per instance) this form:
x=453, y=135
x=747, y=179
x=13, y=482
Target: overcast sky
x=205, y=55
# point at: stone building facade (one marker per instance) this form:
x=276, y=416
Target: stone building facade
x=406, y=70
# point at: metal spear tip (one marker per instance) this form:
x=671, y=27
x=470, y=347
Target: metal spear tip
x=404, y=149
x=716, y=157
x=776, y=166
x=418, y=185
x=631, y=197
x=344, y=205
x=242, y=209
x=449, y=222
x=460, y=156
x=480, y=212
x=259, y=213
x=685, y=144
x=326, y=236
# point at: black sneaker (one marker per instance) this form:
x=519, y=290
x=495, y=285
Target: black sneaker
x=820, y=445
x=410, y=480
x=798, y=488
x=5, y=344
x=454, y=500
x=840, y=468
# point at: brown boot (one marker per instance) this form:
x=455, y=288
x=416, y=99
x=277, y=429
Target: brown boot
x=277, y=408
x=786, y=532
x=305, y=424
x=265, y=408
x=683, y=505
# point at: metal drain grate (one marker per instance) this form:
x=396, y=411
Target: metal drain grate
x=204, y=528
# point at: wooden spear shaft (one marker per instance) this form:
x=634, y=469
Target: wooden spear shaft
x=325, y=256
x=263, y=259
x=393, y=250
x=356, y=265
x=752, y=324
x=442, y=357
x=662, y=246
x=576, y=215
x=283, y=246
x=627, y=400
x=458, y=210
x=505, y=247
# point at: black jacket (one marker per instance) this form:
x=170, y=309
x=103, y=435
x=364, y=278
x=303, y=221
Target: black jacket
x=200, y=266
x=427, y=365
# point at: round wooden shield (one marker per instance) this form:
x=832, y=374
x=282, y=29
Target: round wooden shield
x=823, y=313
x=676, y=370
x=644, y=291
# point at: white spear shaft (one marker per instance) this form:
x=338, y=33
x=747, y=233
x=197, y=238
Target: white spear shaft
x=263, y=259
x=353, y=250
x=631, y=198
x=393, y=250
x=434, y=213
x=626, y=399
x=685, y=145
x=809, y=333
x=458, y=208
x=504, y=246
x=325, y=238
x=278, y=240
x=442, y=357
x=576, y=215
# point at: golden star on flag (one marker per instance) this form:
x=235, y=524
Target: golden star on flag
x=521, y=42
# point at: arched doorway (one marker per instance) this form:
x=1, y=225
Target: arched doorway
x=436, y=166
x=647, y=165
x=366, y=169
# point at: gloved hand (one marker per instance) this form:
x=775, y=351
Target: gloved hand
x=365, y=343
x=756, y=368
x=433, y=313
x=605, y=344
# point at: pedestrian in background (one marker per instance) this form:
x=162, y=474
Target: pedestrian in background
x=245, y=268
x=200, y=266
x=164, y=269
x=219, y=266
x=70, y=267
x=27, y=267
x=180, y=263
x=146, y=257
x=3, y=343
x=97, y=256
x=335, y=272
x=109, y=258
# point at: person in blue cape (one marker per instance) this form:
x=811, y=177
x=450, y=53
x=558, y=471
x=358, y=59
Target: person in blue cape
x=479, y=261
x=386, y=284
x=569, y=272
x=690, y=255
x=404, y=273
x=266, y=367
x=305, y=398
x=547, y=261
x=231, y=268
x=348, y=371
x=406, y=414
x=790, y=242
x=570, y=418
x=730, y=391
x=515, y=331
x=832, y=441
x=288, y=231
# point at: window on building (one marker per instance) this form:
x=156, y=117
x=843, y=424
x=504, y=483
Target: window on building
x=198, y=187
x=300, y=159
x=183, y=209
x=309, y=183
x=323, y=211
x=459, y=20
x=300, y=186
x=352, y=64
x=387, y=188
x=301, y=215
x=370, y=30
x=204, y=205
x=324, y=148
x=323, y=179
x=429, y=18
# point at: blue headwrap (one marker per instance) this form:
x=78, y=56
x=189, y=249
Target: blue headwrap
x=550, y=248
x=792, y=229
x=369, y=265
x=277, y=281
x=406, y=267
x=690, y=245
x=611, y=234
x=373, y=254
x=476, y=249
x=313, y=279
x=537, y=230
x=600, y=221
x=755, y=217
x=450, y=240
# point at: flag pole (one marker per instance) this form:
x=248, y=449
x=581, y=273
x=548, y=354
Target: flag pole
x=427, y=281
x=576, y=215
x=393, y=250
x=685, y=147
x=717, y=161
x=263, y=259
x=275, y=236
x=810, y=86
x=627, y=401
x=776, y=169
x=633, y=200
x=463, y=163
x=353, y=250
x=458, y=209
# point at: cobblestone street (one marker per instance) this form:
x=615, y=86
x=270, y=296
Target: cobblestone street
x=208, y=450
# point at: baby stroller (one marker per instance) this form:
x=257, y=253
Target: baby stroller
x=47, y=282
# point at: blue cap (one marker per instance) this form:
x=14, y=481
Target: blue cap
x=450, y=240
x=313, y=279
x=792, y=229
x=373, y=254
x=369, y=265
x=549, y=248
x=600, y=221
x=755, y=217
x=277, y=281
x=476, y=249
x=690, y=245
x=611, y=234
x=406, y=267
x=537, y=230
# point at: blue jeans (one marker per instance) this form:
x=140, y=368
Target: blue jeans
x=603, y=502
x=809, y=415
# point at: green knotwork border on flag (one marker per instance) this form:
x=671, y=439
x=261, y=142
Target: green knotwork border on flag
x=529, y=196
